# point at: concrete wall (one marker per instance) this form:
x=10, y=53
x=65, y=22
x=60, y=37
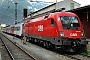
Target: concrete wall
x=76, y=5
x=68, y=4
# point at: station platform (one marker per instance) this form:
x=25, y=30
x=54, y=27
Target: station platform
x=0, y=56
x=0, y=51
x=38, y=52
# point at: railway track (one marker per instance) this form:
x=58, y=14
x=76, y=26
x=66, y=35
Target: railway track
x=75, y=56
x=4, y=54
x=15, y=52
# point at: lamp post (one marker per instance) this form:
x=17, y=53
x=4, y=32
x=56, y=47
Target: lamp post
x=15, y=13
x=15, y=10
x=56, y=5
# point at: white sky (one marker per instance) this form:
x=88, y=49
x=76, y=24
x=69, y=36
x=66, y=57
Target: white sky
x=82, y=2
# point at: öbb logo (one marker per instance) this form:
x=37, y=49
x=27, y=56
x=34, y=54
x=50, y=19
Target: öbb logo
x=73, y=34
x=40, y=27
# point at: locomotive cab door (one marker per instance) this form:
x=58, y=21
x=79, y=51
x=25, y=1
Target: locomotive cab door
x=52, y=28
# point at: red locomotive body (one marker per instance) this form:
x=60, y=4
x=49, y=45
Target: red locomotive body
x=58, y=30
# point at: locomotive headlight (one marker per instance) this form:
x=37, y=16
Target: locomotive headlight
x=61, y=33
x=82, y=33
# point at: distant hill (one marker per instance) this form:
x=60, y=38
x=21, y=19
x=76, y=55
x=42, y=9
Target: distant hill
x=7, y=9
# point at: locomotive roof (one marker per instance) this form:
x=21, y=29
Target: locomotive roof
x=65, y=13
x=50, y=15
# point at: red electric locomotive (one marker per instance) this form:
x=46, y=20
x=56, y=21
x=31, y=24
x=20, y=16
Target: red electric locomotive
x=60, y=30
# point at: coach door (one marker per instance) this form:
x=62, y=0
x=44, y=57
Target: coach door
x=28, y=28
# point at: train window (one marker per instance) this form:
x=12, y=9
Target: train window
x=17, y=28
x=53, y=22
x=69, y=19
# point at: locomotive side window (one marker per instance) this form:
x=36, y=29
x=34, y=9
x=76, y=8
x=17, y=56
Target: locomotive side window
x=53, y=22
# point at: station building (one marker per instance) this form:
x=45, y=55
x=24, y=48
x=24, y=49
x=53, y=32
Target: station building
x=67, y=4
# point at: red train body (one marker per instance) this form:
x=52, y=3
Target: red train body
x=51, y=26
x=59, y=30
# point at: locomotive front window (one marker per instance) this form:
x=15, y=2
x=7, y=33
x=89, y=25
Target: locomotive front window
x=69, y=21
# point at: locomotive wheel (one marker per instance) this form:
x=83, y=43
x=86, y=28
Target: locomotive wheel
x=35, y=40
x=44, y=44
x=38, y=42
x=32, y=40
x=48, y=45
